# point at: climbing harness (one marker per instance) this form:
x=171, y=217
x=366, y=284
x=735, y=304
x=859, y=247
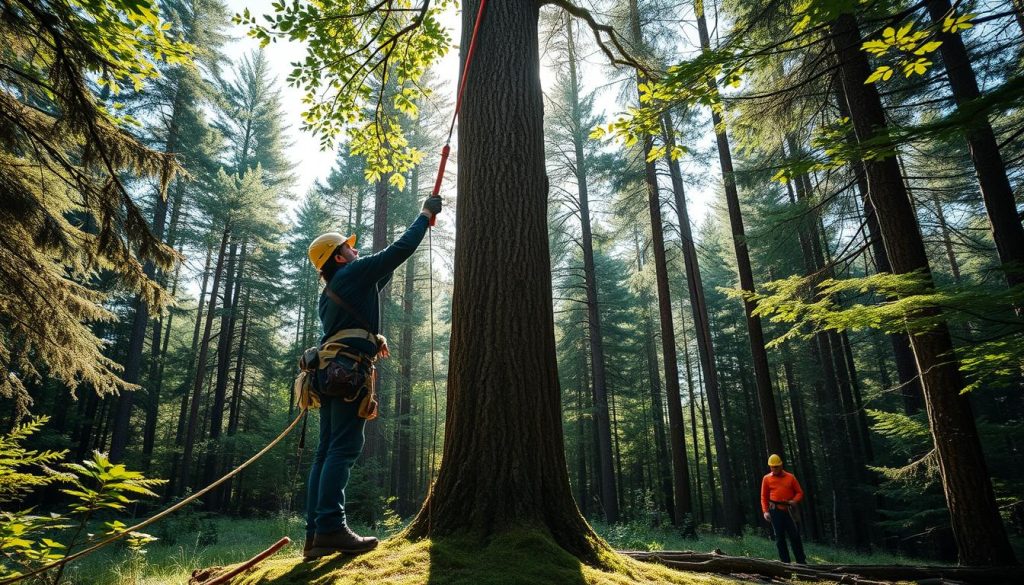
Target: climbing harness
x=160, y=515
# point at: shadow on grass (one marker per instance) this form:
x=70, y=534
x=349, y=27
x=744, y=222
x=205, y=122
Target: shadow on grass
x=522, y=556
x=313, y=571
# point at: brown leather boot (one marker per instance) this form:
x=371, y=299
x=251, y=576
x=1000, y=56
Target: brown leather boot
x=341, y=541
x=307, y=546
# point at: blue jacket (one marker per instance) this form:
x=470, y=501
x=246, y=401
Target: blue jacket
x=359, y=283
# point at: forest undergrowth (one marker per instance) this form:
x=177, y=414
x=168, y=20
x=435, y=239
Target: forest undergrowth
x=196, y=541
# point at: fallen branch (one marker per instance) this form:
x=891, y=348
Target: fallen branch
x=861, y=574
x=214, y=576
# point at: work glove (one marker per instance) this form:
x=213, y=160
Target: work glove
x=432, y=205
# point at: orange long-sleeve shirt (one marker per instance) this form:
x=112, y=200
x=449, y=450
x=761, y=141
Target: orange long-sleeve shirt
x=780, y=489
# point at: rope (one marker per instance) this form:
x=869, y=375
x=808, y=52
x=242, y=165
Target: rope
x=161, y=515
x=458, y=102
x=430, y=244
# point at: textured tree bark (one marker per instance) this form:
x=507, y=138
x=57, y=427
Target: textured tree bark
x=732, y=514
x=758, y=353
x=906, y=368
x=225, y=340
x=996, y=191
x=504, y=459
x=980, y=535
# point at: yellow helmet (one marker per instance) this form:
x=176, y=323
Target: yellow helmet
x=774, y=460
x=322, y=247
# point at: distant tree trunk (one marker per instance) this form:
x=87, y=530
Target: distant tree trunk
x=758, y=353
x=403, y=428
x=200, y=368
x=809, y=478
x=225, y=340
x=980, y=535
x=947, y=240
x=374, y=450
x=732, y=515
x=858, y=400
x=996, y=191
x=677, y=435
x=842, y=449
x=693, y=422
x=504, y=458
x=609, y=501
x=664, y=471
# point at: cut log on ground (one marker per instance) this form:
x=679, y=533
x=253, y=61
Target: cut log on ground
x=715, y=562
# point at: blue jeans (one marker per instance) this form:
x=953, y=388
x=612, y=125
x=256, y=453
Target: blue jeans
x=341, y=442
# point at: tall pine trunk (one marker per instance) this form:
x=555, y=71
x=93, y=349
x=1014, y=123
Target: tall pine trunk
x=732, y=514
x=609, y=501
x=980, y=535
x=504, y=458
x=996, y=191
x=191, y=427
x=906, y=368
x=758, y=353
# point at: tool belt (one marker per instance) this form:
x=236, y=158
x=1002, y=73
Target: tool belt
x=793, y=510
x=335, y=369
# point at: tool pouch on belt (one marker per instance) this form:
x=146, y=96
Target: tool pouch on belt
x=304, y=391
x=344, y=377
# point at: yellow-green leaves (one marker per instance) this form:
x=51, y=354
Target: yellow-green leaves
x=954, y=24
x=918, y=66
x=883, y=73
x=130, y=38
x=910, y=46
x=361, y=72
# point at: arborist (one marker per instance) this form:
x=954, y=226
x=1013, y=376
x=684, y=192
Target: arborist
x=342, y=373
x=780, y=493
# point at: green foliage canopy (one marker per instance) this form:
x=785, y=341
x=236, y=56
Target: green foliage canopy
x=363, y=66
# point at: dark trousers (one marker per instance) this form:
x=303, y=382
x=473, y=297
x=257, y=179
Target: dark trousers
x=341, y=441
x=783, y=525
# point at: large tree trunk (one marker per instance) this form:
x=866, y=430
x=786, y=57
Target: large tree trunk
x=906, y=368
x=758, y=353
x=504, y=459
x=980, y=535
x=996, y=191
x=609, y=501
x=732, y=514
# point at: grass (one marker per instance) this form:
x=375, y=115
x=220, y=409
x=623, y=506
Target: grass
x=193, y=542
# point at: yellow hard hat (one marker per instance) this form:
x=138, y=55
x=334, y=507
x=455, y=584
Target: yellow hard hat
x=774, y=460
x=323, y=246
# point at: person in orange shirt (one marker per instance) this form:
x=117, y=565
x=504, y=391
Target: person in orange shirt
x=780, y=491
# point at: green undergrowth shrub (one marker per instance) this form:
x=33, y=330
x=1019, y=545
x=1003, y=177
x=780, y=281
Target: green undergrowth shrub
x=98, y=490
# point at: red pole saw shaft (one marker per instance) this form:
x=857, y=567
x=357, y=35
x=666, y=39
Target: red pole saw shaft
x=440, y=177
x=458, y=101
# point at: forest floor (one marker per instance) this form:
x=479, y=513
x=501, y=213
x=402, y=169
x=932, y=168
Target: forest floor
x=194, y=542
